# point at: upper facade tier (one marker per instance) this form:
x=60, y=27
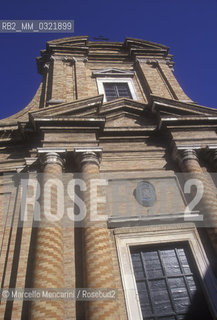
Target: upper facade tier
x=76, y=68
x=76, y=71
x=116, y=95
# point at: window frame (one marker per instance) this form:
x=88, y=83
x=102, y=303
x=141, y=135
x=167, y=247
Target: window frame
x=115, y=86
x=129, y=81
x=127, y=237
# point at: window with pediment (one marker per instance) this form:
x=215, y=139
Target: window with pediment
x=115, y=83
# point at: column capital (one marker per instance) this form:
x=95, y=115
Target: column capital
x=51, y=156
x=187, y=154
x=211, y=156
x=184, y=153
x=89, y=155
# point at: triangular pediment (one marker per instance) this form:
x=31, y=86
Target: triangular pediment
x=128, y=120
x=122, y=105
x=91, y=107
x=123, y=114
x=126, y=115
x=94, y=107
x=113, y=72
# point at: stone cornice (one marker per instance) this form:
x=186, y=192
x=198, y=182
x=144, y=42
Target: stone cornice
x=188, y=122
x=66, y=108
x=180, y=107
x=68, y=124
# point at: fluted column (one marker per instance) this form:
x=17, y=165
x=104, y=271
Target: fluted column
x=48, y=263
x=188, y=162
x=97, y=251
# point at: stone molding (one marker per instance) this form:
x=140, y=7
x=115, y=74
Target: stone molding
x=51, y=156
x=68, y=58
x=187, y=154
x=89, y=155
x=156, y=62
x=181, y=154
x=192, y=152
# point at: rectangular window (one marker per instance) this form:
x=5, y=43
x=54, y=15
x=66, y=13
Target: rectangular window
x=114, y=88
x=165, y=273
x=117, y=90
x=167, y=283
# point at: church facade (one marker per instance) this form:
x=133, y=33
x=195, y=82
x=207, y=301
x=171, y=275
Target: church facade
x=109, y=120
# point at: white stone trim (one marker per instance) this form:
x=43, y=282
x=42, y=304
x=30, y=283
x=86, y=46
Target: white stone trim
x=129, y=81
x=113, y=72
x=126, y=237
x=48, y=150
x=88, y=149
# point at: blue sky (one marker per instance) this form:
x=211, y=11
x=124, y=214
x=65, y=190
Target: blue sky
x=188, y=27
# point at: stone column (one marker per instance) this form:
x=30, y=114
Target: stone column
x=212, y=158
x=213, y=231
x=48, y=263
x=98, y=266
x=188, y=162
